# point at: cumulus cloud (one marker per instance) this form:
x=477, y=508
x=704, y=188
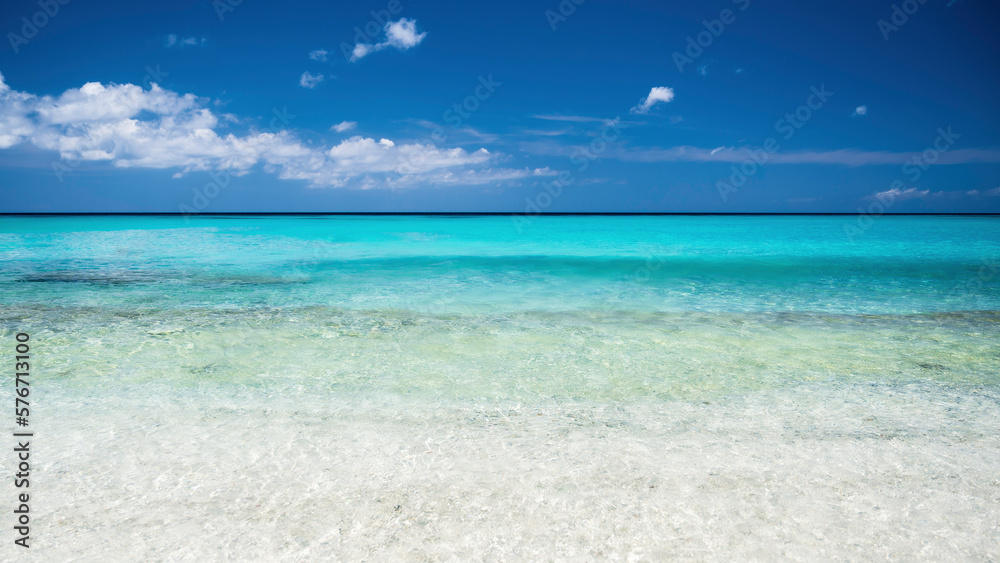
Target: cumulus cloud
x=15, y=126
x=130, y=127
x=359, y=155
x=344, y=126
x=319, y=55
x=403, y=34
x=310, y=80
x=657, y=95
x=400, y=35
x=860, y=111
x=174, y=40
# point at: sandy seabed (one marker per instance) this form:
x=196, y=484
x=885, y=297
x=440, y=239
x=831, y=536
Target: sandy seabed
x=815, y=471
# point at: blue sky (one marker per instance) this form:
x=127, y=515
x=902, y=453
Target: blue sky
x=724, y=106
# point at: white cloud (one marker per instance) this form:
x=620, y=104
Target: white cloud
x=360, y=155
x=402, y=165
x=173, y=40
x=310, y=80
x=400, y=34
x=656, y=95
x=717, y=150
x=361, y=50
x=403, y=34
x=860, y=111
x=134, y=128
x=94, y=102
x=896, y=194
x=344, y=126
x=319, y=55
x=15, y=126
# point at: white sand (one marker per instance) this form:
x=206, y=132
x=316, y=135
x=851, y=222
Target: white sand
x=815, y=471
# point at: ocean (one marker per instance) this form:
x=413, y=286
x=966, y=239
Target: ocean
x=356, y=387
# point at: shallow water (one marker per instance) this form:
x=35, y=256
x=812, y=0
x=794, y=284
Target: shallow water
x=431, y=388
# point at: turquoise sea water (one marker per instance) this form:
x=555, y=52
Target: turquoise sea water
x=601, y=364
x=901, y=265
x=642, y=305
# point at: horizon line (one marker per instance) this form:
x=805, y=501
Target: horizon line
x=468, y=213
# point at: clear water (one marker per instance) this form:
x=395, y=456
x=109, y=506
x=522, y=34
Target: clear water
x=431, y=388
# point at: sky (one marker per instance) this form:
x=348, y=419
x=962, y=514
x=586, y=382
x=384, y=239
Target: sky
x=519, y=106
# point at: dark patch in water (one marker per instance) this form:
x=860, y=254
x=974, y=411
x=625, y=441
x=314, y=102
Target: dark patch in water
x=99, y=278
x=130, y=278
